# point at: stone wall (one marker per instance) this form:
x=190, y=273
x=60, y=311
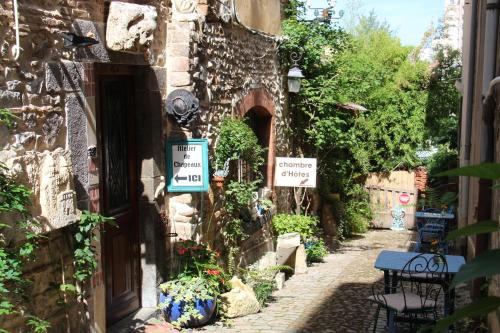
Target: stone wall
x=230, y=69
x=51, y=268
x=52, y=91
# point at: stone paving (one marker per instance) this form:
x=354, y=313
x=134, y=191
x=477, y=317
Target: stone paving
x=330, y=297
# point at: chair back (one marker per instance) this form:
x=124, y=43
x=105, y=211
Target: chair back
x=424, y=275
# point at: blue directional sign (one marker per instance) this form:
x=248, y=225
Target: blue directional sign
x=187, y=165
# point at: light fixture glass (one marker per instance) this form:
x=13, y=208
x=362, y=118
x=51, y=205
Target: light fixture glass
x=294, y=77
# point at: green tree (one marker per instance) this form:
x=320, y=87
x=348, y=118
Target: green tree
x=368, y=67
x=442, y=110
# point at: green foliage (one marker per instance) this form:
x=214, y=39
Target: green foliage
x=445, y=158
x=238, y=141
x=263, y=290
x=7, y=118
x=436, y=199
x=315, y=250
x=239, y=196
x=262, y=281
x=368, y=67
x=200, y=278
x=84, y=254
x=306, y=226
x=14, y=253
x=485, y=171
x=37, y=325
x=478, y=308
x=485, y=264
x=441, y=120
x=474, y=229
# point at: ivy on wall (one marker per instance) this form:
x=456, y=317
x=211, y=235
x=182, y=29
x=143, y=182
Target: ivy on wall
x=18, y=243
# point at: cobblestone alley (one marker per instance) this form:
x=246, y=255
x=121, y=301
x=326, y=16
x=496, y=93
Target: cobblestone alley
x=331, y=297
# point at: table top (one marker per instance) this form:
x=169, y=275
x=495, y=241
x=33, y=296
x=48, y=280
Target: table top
x=396, y=260
x=447, y=216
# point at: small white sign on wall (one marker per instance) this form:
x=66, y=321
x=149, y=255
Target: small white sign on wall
x=295, y=172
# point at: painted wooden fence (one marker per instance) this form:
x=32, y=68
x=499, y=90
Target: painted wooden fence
x=385, y=193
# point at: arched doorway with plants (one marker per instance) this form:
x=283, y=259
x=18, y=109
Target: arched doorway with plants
x=258, y=109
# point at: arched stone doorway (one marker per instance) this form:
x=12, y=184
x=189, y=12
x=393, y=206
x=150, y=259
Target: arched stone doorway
x=259, y=109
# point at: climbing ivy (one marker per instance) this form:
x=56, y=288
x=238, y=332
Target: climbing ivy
x=18, y=242
x=237, y=141
x=85, y=254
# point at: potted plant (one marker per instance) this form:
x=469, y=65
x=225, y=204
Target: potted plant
x=190, y=298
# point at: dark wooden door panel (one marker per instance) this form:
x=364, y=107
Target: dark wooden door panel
x=119, y=196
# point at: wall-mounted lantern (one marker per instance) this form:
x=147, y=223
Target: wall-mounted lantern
x=294, y=74
x=183, y=106
x=73, y=40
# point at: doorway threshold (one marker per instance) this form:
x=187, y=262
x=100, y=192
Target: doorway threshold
x=133, y=322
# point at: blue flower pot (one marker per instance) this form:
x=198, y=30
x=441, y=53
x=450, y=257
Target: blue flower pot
x=175, y=310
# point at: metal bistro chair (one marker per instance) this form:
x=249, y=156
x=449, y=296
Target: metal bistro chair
x=429, y=233
x=414, y=296
x=422, y=221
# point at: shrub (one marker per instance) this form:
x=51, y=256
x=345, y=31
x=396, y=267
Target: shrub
x=306, y=226
x=238, y=141
x=315, y=250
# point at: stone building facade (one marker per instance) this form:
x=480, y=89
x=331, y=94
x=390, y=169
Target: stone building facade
x=91, y=131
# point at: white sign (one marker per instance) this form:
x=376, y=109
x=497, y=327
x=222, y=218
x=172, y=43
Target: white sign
x=187, y=166
x=295, y=172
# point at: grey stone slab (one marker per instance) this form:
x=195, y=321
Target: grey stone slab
x=76, y=123
x=64, y=76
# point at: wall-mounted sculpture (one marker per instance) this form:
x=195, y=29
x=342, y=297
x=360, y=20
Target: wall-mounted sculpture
x=183, y=106
x=184, y=6
x=130, y=27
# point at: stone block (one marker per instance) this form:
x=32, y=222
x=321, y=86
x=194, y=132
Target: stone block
x=183, y=230
x=178, y=64
x=10, y=99
x=178, y=50
x=280, y=280
x=179, y=79
x=286, y=246
x=64, y=76
x=300, y=263
x=240, y=301
x=185, y=198
x=267, y=260
x=183, y=209
x=179, y=36
x=130, y=27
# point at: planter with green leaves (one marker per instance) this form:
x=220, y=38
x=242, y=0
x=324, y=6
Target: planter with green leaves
x=190, y=299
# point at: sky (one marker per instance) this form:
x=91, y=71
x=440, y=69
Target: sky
x=409, y=19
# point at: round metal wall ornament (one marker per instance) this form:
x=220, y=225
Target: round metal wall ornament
x=183, y=106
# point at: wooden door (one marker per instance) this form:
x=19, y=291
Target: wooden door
x=119, y=179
